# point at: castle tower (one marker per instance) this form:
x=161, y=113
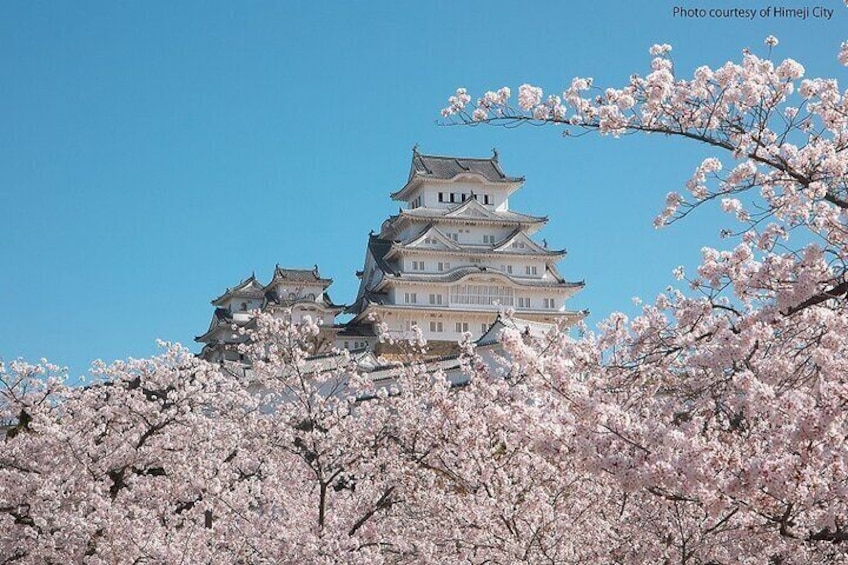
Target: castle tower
x=456, y=255
x=295, y=292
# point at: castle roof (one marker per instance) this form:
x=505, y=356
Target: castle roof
x=248, y=288
x=380, y=248
x=529, y=328
x=469, y=211
x=366, y=298
x=252, y=288
x=444, y=167
x=449, y=247
x=299, y=276
x=448, y=167
x=460, y=273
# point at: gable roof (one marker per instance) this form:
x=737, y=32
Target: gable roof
x=444, y=167
x=432, y=232
x=470, y=210
x=248, y=288
x=528, y=245
x=459, y=273
x=298, y=276
x=379, y=247
x=529, y=328
x=447, y=167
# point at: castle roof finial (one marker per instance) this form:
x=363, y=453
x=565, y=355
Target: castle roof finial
x=495, y=154
x=415, y=149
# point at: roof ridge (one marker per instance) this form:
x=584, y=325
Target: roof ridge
x=425, y=156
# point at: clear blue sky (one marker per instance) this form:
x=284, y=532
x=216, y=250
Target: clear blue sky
x=154, y=153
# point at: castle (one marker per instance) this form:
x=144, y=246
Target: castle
x=448, y=263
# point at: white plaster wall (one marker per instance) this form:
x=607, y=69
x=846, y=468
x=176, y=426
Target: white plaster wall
x=536, y=296
x=429, y=191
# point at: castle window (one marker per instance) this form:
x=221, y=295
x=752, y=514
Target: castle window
x=436, y=299
x=436, y=327
x=441, y=197
x=444, y=266
x=486, y=199
x=548, y=303
x=524, y=302
x=461, y=327
x=481, y=295
x=530, y=270
x=411, y=298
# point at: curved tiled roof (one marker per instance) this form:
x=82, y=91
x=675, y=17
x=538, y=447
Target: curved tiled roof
x=447, y=167
x=248, y=288
x=378, y=248
x=484, y=250
x=367, y=298
x=298, y=275
x=443, y=167
x=460, y=273
x=498, y=249
x=442, y=214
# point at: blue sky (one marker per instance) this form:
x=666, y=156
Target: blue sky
x=152, y=153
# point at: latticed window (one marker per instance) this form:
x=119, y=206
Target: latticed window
x=481, y=295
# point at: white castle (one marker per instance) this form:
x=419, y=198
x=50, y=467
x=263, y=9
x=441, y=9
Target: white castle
x=452, y=259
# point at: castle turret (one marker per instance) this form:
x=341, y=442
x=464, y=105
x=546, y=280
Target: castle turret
x=294, y=292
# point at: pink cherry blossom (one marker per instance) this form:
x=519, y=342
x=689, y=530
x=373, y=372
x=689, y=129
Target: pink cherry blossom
x=721, y=411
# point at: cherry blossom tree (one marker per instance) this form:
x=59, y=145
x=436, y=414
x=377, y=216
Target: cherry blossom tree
x=722, y=410
x=300, y=460
x=708, y=429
